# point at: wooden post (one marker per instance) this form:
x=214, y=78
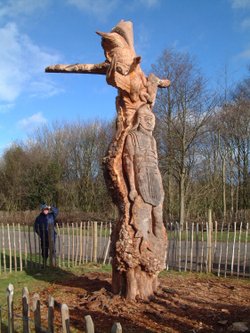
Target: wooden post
x=91, y=231
x=89, y=325
x=227, y=243
x=87, y=241
x=186, y=246
x=245, y=251
x=25, y=304
x=84, y=243
x=179, y=247
x=77, y=242
x=116, y=328
x=233, y=251
x=25, y=247
x=68, y=243
x=238, y=254
x=106, y=252
x=37, y=312
x=73, y=244
x=63, y=246
x=14, y=246
x=30, y=248
x=209, y=241
x=9, y=245
x=65, y=318
x=192, y=246
x=10, y=294
x=80, y=244
x=202, y=246
x=51, y=315
x=94, y=243
x=215, y=238
x=172, y=237
x=3, y=249
x=197, y=247
x=221, y=246
x=20, y=247
x=100, y=241
x=168, y=247
x=59, y=245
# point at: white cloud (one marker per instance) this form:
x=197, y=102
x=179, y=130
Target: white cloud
x=240, y=4
x=99, y=8
x=22, y=65
x=13, y=8
x=32, y=122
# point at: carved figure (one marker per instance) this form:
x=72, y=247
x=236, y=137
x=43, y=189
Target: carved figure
x=144, y=178
x=138, y=242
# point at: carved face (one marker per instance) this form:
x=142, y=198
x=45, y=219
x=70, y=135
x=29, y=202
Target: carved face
x=147, y=119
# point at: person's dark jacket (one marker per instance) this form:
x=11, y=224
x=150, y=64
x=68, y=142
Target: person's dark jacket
x=43, y=222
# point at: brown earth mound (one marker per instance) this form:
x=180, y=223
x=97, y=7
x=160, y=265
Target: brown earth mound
x=184, y=303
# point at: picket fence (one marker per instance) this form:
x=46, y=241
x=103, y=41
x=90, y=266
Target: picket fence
x=201, y=247
x=34, y=323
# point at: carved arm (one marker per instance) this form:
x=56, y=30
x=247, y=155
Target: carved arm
x=79, y=68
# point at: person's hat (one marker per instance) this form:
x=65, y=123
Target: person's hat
x=44, y=206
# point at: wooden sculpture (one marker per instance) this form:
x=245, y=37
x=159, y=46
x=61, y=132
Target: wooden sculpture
x=139, y=240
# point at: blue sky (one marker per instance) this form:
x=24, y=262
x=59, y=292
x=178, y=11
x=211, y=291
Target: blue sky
x=38, y=33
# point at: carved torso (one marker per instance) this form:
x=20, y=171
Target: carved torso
x=147, y=175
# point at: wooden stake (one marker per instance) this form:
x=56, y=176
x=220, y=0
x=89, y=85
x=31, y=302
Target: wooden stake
x=37, y=312
x=9, y=246
x=245, y=251
x=89, y=325
x=51, y=315
x=3, y=248
x=94, y=242
x=20, y=247
x=65, y=318
x=25, y=304
x=10, y=294
x=233, y=251
x=14, y=246
x=238, y=254
x=116, y=328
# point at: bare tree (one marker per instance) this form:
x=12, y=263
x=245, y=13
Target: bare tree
x=183, y=113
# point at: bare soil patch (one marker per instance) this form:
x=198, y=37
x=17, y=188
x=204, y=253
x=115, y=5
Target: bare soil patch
x=184, y=303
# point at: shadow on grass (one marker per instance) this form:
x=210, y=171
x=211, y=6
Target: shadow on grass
x=65, y=276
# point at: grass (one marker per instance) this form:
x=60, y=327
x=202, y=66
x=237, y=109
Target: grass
x=221, y=237
x=45, y=277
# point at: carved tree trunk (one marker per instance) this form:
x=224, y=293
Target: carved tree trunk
x=139, y=240
x=136, y=261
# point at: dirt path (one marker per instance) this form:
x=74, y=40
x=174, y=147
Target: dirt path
x=184, y=303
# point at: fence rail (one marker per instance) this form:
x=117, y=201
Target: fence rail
x=201, y=247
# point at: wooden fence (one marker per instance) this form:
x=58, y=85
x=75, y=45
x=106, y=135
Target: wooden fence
x=201, y=247
x=29, y=320
x=204, y=247
x=75, y=245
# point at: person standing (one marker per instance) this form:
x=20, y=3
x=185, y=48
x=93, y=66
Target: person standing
x=44, y=224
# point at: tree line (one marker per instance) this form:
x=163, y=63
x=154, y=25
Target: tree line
x=203, y=145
